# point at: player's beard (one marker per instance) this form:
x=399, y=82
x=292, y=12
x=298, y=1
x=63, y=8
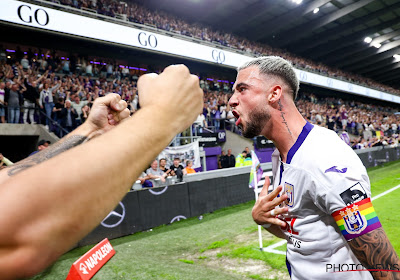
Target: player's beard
x=258, y=118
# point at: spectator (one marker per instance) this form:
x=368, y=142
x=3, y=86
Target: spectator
x=247, y=160
x=89, y=70
x=31, y=97
x=78, y=105
x=163, y=166
x=223, y=115
x=145, y=180
x=42, y=144
x=58, y=106
x=155, y=173
x=25, y=63
x=240, y=159
x=2, y=103
x=223, y=160
x=189, y=169
x=200, y=123
x=85, y=113
x=68, y=117
x=230, y=158
x=343, y=117
x=65, y=66
x=13, y=100
x=177, y=169
x=46, y=100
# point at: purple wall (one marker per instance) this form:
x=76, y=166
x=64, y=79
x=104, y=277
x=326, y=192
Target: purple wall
x=212, y=154
x=264, y=155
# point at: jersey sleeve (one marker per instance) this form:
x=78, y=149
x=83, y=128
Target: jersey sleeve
x=346, y=196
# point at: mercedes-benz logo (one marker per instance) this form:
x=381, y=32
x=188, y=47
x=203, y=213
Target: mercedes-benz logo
x=115, y=217
x=178, y=218
x=159, y=192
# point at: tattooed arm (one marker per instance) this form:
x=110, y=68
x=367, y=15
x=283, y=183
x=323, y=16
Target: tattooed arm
x=47, y=208
x=104, y=115
x=375, y=251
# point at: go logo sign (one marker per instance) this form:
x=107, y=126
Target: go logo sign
x=147, y=40
x=26, y=14
x=218, y=56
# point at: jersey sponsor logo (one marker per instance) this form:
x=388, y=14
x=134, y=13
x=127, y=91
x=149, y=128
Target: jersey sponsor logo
x=289, y=227
x=353, y=194
x=354, y=222
x=335, y=169
x=289, y=190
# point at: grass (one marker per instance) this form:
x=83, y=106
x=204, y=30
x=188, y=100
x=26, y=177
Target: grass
x=254, y=253
x=220, y=246
x=186, y=261
x=215, y=245
x=383, y=178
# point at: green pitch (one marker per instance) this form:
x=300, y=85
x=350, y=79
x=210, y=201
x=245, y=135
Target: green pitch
x=223, y=245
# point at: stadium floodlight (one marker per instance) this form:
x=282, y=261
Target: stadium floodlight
x=368, y=40
x=297, y=1
x=397, y=57
x=316, y=10
x=377, y=45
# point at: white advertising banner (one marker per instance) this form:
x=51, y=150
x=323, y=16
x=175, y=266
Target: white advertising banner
x=185, y=152
x=35, y=16
x=50, y=19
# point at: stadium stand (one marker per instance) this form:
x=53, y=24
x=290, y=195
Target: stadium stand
x=136, y=13
x=82, y=79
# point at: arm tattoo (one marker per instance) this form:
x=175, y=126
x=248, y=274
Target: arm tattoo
x=283, y=117
x=46, y=154
x=375, y=251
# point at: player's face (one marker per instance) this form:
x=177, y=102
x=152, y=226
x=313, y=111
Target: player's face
x=249, y=102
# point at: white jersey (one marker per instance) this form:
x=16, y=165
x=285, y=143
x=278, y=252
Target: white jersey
x=324, y=180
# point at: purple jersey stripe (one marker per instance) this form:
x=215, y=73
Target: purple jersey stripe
x=303, y=135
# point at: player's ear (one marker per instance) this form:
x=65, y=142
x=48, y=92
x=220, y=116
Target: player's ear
x=275, y=94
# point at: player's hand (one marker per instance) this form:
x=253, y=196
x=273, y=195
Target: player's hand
x=175, y=92
x=106, y=113
x=265, y=211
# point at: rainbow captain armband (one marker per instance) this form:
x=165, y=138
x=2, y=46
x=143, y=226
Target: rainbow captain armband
x=357, y=219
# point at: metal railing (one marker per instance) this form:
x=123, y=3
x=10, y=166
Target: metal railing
x=39, y=113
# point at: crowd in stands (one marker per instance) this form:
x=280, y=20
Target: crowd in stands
x=158, y=174
x=369, y=125
x=134, y=12
x=64, y=89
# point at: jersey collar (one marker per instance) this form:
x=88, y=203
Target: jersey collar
x=303, y=135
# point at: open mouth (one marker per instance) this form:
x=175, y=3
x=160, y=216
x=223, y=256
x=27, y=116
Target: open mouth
x=238, y=121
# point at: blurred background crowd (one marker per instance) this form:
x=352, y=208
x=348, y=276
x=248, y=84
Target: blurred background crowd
x=42, y=86
x=136, y=13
